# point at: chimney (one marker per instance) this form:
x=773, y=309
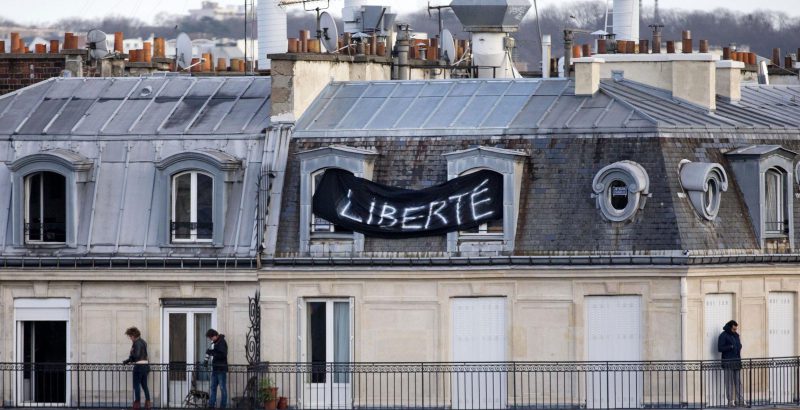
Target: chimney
x=729, y=79
x=689, y=77
x=587, y=75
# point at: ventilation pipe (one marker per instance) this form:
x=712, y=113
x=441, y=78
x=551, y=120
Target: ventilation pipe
x=490, y=22
x=271, y=31
x=547, y=42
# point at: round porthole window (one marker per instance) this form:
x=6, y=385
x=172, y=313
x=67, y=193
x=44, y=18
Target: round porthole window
x=620, y=190
x=704, y=184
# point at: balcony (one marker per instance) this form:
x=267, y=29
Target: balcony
x=506, y=385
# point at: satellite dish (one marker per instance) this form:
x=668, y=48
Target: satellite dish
x=183, y=52
x=96, y=42
x=330, y=34
x=448, y=47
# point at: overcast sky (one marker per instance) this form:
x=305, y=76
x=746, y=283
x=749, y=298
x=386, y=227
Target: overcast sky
x=41, y=11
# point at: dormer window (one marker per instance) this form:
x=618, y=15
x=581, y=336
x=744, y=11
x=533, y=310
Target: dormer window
x=320, y=224
x=192, y=207
x=775, y=222
x=497, y=236
x=621, y=190
x=704, y=184
x=317, y=235
x=764, y=174
x=45, y=208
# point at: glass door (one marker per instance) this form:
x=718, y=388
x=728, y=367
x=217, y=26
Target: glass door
x=326, y=345
x=185, y=344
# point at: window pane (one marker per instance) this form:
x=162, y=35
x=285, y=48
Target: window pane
x=205, y=200
x=177, y=346
x=341, y=339
x=316, y=340
x=618, y=191
x=495, y=226
x=202, y=322
x=34, y=222
x=183, y=206
x=54, y=204
x=774, y=220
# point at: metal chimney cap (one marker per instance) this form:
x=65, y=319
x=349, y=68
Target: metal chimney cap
x=490, y=16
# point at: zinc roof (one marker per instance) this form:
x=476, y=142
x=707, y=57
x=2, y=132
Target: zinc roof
x=138, y=106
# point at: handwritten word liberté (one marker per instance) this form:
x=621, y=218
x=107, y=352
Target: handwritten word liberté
x=423, y=216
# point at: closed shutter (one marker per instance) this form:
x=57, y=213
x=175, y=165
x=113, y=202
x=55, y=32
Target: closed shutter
x=613, y=328
x=479, y=330
x=718, y=311
x=781, y=324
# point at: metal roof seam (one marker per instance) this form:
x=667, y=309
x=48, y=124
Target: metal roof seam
x=406, y=108
x=574, y=113
x=438, y=105
x=611, y=102
x=174, y=108
x=496, y=104
x=236, y=101
x=101, y=130
x=383, y=103
x=57, y=114
x=201, y=109
x=626, y=103
x=147, y=107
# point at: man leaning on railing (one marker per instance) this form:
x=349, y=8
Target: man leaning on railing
x=730, y=346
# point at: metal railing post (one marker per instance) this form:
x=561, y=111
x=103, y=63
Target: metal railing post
x=702, y=394
x=78, y=392
x=750, y=370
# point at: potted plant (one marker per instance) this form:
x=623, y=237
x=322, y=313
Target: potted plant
x=268, y=394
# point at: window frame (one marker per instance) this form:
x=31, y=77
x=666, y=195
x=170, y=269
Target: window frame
x=224, y=170
x=509, y=164
x=312, y=220
x=27, y=207
x=193, y=194
x=76, y=170
x=781, y=203
x=483, y=229
x=359, y=162
x=636, y=181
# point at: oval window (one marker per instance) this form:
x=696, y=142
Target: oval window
x=618, y=195
x=711, y=197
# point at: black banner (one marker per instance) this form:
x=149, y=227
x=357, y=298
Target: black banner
x=390, y=212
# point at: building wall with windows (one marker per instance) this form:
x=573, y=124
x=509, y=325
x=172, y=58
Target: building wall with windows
x=129, y=202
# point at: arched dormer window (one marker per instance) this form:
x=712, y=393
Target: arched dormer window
x=193, y=186
x=192, y=217
x=775, y=208
x=498, y=236
x=45, y=207
x=46, y=187
x=317, y=236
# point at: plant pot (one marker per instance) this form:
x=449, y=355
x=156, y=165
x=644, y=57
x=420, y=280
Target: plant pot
x=283, y=403
x=272, y=404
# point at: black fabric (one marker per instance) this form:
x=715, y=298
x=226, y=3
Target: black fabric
x=730, y=345
x=219, y=352
x=138, y=351
x=378, y=210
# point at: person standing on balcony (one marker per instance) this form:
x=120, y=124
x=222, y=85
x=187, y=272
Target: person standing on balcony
x=141, y=367
x=731, y=348
x=218, y=356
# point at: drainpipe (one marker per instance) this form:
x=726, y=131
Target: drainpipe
x=684, y=331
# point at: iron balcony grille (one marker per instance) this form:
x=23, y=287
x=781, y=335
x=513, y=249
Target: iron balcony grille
x=46, y=232
x=476, y=385
x=781, y=227
x=191, y=230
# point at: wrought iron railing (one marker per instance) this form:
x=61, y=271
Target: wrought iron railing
x=512, y=385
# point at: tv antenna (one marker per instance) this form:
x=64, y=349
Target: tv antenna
x=97, y=43
x=327, y=32
x=441, y=22
x=307, y=6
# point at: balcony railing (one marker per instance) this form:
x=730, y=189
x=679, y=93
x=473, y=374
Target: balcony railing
x=502, y=385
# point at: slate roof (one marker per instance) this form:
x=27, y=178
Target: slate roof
x=123, y=134
x=174, y=105
x=568, y=139
x=533, y=106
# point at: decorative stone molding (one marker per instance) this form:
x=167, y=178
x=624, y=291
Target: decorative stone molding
x=620, y=190
x=704, y=183
x=506, y=162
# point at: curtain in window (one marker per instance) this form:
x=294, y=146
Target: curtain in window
x=183, y=206
x=202, y=322
x=773, y=213
x=205, y=194
x=341, y=339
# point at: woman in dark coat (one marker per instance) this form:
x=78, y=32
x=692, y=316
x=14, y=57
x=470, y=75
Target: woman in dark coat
x=141, y=368
x=730, y=346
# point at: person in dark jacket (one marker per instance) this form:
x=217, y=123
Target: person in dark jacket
x=731, y=348
x=218, y=356
x=141, y=367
